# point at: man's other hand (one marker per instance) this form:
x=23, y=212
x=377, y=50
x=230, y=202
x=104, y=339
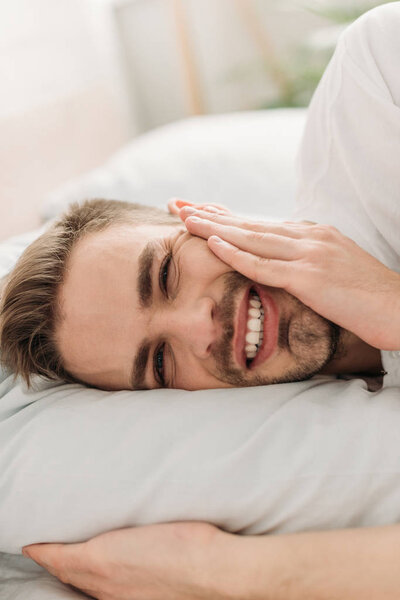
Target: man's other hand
x=167, y=561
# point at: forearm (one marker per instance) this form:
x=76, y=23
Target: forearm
x=334, y=565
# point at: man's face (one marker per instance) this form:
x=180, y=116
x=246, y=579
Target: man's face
x=145, y=306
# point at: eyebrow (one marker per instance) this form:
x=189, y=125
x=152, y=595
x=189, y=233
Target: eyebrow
x=144, y=282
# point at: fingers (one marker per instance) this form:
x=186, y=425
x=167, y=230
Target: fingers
x=176, y=204
x=263, y=244
x=266, y=271
x=217, y=217
x=293, y=230
x=61, y=560
x=46, y=555
x=71, y=564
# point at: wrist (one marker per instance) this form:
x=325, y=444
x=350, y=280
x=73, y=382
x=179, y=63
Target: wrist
x=247, y=568
x=226, y=574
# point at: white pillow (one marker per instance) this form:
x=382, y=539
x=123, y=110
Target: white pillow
x=309, y=455
x=12, y=248
x=76, y=462
x=243, y=160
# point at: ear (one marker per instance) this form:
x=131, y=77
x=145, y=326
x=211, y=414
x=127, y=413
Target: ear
x=175, y=205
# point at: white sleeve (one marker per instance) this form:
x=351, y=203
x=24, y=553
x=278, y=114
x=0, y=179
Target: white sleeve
x=349, y=160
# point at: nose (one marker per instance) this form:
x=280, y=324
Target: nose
x=194, y=326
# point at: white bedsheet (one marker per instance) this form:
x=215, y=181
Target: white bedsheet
x=22, y=579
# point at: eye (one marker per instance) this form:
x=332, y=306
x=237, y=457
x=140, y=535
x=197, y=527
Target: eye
x=163, y=274
x=158, y=365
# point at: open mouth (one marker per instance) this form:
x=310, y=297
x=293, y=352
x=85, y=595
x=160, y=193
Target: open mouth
x=257, y=327
x=254, y=327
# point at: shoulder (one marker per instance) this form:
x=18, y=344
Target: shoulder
x=348, y=165
x=375, y=24
x=371, y=45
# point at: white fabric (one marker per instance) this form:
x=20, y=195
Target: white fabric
x=243, y=160
x=22, y=579
x=314, y=454
x=349, y=159
x=76, y=462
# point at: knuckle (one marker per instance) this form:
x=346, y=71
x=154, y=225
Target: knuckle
x=313, y=248
x=260, y=265
x=255, y=236
x=313, y=252
x=206, y=216
x=323, y=232
x=237, y=253
x=212, y=215
x=331, y=229
x=244, y=224
x=257, y=225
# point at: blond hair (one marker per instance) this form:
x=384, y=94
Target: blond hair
x=29, y=313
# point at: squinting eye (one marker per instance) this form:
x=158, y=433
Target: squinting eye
x=163, y=275
x=158, y=362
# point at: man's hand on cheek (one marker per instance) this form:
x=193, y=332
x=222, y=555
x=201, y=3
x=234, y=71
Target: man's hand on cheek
x=317, y=264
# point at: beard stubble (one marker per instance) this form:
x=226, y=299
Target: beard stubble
x=309, y=339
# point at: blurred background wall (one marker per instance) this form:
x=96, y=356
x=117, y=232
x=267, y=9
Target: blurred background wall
x=79, y=78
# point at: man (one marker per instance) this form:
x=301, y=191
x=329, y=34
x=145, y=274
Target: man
x=109, y=300
x=349, y=169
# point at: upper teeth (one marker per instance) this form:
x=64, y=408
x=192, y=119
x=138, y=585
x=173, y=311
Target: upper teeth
x=255, y=326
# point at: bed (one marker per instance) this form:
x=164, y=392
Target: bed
x=317, y=454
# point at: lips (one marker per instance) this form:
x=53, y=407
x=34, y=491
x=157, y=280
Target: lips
x=240, y=330
x=271, y=324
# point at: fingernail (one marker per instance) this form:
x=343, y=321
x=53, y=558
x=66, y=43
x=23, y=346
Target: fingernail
x=25, y=553
x=211, y=209
x=196, y=220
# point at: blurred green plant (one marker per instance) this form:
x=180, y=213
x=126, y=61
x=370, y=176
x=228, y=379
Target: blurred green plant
x=340, y=11
x=297, y=76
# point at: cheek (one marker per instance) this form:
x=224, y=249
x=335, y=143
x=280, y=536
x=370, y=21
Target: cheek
x=195, y=377
x=199, y=260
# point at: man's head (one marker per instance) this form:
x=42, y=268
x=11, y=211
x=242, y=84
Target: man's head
x=117, y=296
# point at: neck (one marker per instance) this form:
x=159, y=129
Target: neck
x=354, y=356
